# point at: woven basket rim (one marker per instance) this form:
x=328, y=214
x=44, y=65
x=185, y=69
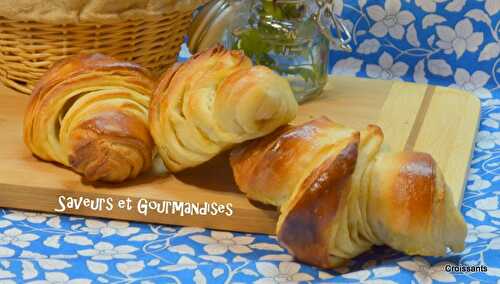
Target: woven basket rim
x=57, y=12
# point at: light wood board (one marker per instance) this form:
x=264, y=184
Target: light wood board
x=437, y=120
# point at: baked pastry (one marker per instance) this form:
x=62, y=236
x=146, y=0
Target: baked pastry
x=90, y=113
x=339, y=194
x=214, y=101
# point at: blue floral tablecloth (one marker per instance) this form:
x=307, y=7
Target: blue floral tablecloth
x=447, y=42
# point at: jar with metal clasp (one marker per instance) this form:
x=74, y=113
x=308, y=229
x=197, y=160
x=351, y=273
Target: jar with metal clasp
x=291, y=37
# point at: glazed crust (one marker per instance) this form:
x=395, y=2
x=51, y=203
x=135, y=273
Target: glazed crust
x=415, y=211
x=307, y=228
x=283, y=159
x=339, y=194
x=89, y=112
x=214, y=101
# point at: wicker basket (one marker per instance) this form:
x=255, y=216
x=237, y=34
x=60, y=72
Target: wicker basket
x=28, y=49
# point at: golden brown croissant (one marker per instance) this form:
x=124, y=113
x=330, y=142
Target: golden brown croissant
x=90, y=113
x=339, y=195
x=214, y=101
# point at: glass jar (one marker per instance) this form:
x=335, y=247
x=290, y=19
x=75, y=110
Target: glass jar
x=291, y=37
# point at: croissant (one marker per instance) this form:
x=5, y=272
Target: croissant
x=339, y=194
x=214, y=101
x=90, y=113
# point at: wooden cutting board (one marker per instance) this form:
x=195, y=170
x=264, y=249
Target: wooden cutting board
x=437, y=120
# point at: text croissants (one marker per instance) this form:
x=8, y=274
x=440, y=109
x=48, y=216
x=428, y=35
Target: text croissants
x=214, y=101
x=90, y=113
x=339, y=195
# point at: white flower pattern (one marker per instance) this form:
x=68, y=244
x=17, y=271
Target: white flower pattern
x=478, y=183
x=493, y=120
x=426, y=273
x=60, y=278
x=389, y=19
x=428, y=5
x=488, y=206
x=222, y=242
x=458, y=40
x=487, y=140
x=109, y=228
x=107, y=251
x=286, y=272
x=482, y=232
x=31, y=217
x=16, y=237
x=387, y=69
x=474, y=83
x=445, y=42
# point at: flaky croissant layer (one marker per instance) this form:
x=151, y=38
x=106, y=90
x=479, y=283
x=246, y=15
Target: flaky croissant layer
x=339, y=194
x=90, y=113
x=214, y=101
